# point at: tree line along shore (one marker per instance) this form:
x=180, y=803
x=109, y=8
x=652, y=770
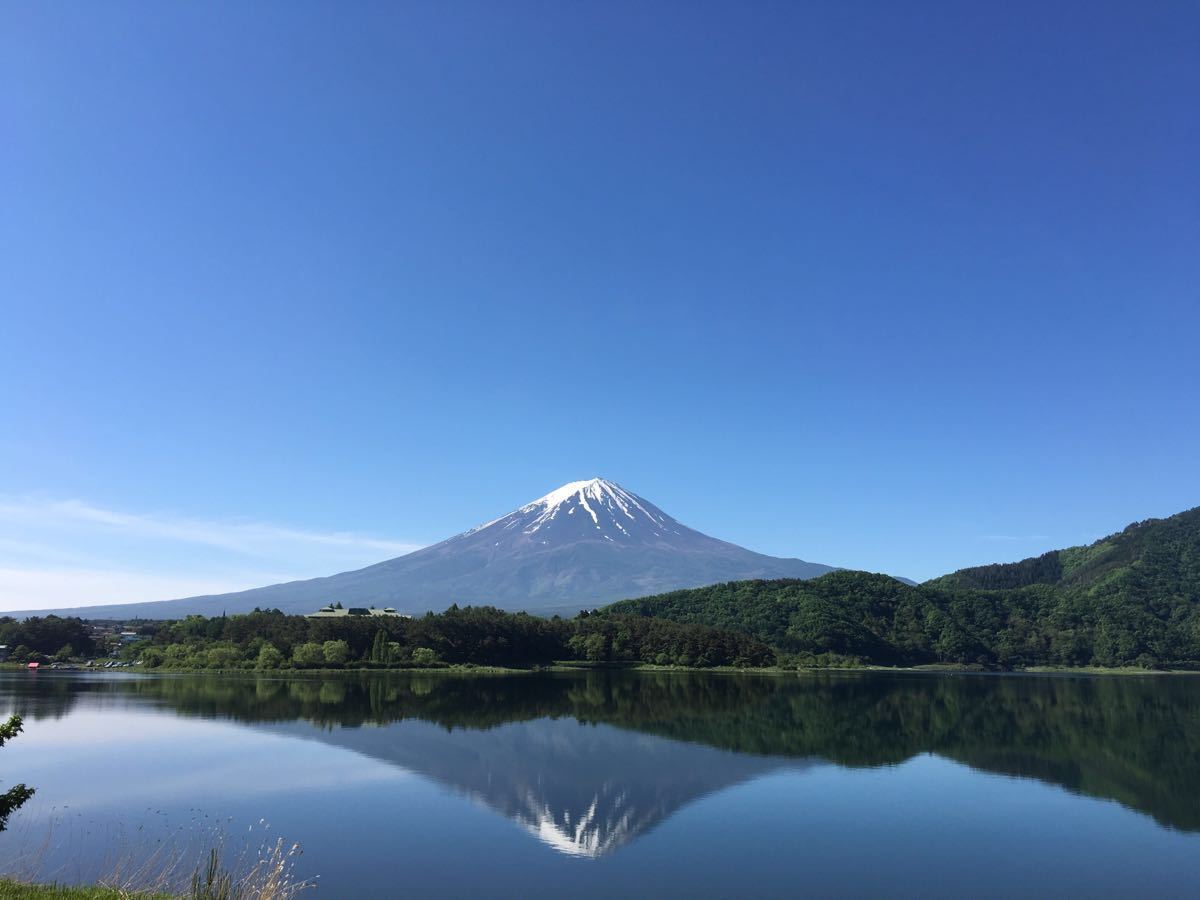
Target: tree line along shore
x=1128, y=601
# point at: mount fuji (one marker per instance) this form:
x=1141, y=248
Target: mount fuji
x=585, y=544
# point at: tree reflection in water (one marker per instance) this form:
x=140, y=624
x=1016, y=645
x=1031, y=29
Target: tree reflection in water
x=514, y=742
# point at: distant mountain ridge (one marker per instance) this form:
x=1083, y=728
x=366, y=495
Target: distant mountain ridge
x=586, y=543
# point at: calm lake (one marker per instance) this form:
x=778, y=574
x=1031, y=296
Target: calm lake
x=613, y=784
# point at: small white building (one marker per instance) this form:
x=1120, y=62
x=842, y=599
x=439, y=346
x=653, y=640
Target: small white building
x=338, y=612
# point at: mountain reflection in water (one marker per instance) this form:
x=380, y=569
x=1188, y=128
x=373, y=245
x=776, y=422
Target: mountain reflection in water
x=589, y=761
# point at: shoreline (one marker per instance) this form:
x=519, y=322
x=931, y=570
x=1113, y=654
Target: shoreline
x=559, y=666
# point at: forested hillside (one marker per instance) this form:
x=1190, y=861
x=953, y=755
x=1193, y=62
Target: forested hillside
x=1132, y=598
x=472, y=635
x=1157, y=556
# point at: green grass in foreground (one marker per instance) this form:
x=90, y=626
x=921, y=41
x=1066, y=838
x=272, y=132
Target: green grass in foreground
x=14, y=890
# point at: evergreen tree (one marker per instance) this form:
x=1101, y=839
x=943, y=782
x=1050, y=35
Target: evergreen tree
x=379, y=650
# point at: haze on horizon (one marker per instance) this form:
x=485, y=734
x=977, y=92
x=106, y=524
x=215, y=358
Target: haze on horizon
x=288, y=290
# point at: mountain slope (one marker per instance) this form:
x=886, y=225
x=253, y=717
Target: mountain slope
x=1157, y=555
x=1132, y=598
x=585, y=544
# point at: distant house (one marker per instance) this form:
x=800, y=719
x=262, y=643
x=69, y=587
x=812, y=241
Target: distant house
x=4, y=652
x=129, y=637
x=338, y=612
x=34, y=666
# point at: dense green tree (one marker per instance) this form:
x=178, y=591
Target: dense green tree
x=22, y=653
x=223, y=655
x=336, y=652
x=308, y=654
x=269, y=657
x=424, y=656
x=152, y=657
x=12, y=799
x=47, y=634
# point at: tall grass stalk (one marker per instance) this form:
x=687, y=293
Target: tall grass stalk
x=197, y=865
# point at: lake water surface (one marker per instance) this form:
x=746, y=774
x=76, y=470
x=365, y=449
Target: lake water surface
x=605, y=784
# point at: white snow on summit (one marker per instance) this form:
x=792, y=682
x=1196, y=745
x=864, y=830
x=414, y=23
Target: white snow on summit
x=595, y=498
x=603, y=493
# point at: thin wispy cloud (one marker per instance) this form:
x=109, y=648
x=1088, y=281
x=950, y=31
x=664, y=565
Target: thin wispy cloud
x=233, y=534
x=56, y=588
x=70, y=552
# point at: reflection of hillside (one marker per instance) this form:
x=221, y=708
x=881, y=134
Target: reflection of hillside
x=1128, y=739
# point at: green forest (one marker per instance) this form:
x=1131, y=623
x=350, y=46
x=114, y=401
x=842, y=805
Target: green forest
x=1130, y=599
x=479, y=635
x=43, y=637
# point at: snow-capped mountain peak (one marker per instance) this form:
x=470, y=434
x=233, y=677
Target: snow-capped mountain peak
x=598, y=509
x=605, y=496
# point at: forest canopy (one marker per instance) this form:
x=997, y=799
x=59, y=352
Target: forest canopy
x=477, y=635
x=1130, y=599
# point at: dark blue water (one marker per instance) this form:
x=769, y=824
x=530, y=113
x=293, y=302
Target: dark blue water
x=608, y=784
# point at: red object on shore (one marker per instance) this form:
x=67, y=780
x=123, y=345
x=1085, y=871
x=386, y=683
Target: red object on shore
x=33, y=665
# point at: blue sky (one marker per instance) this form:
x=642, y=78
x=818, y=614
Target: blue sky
x=287, y=287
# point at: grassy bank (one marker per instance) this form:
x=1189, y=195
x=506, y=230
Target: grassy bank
x=15, y=890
